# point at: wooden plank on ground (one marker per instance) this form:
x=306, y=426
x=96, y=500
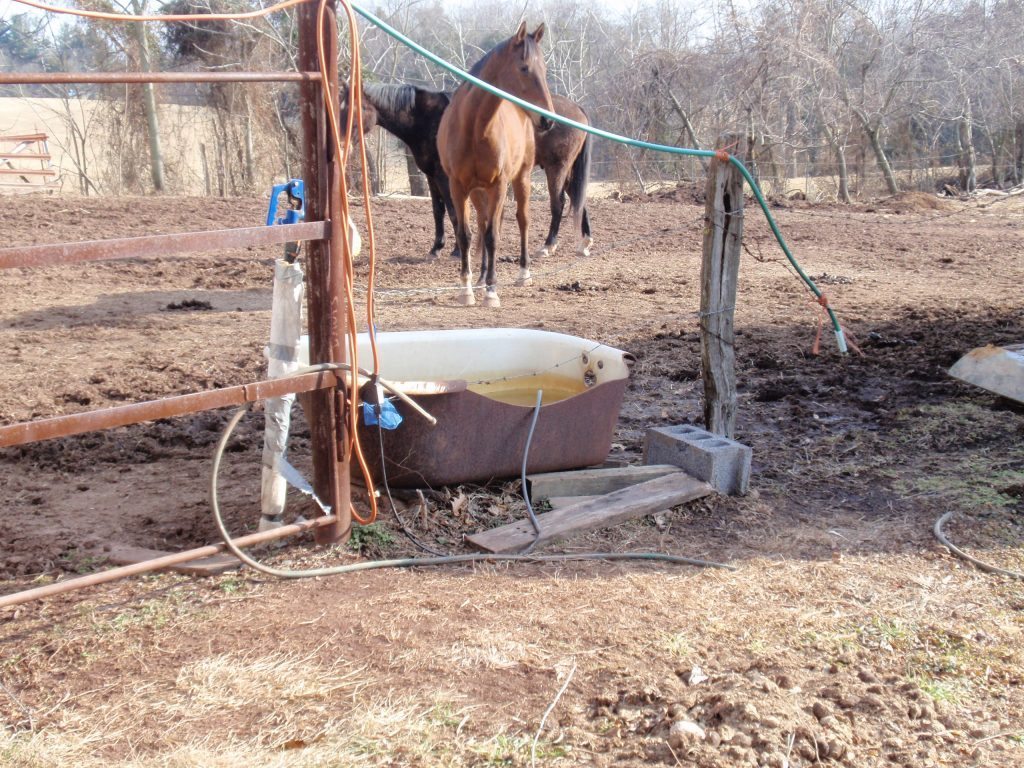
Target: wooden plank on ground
x=207, y=566
x=593, y=482
x=559, y=502
x=601, y=512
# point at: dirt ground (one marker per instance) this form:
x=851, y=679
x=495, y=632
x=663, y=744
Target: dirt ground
x=847, y=635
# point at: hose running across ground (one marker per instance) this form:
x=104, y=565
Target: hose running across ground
x=980, y=565
x=411, y=562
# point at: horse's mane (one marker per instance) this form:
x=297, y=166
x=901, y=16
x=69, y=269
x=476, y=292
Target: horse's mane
x=391, y=98
x=481, y=63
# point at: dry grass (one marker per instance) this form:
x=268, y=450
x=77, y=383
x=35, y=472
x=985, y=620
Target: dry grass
x=418, y=697
x=280, y=709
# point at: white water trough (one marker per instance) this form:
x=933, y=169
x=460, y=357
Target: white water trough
x=481, y=385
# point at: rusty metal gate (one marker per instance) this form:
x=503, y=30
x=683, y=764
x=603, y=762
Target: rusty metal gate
x=323, y=231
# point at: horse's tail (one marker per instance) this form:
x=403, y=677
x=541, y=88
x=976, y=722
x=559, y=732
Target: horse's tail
x=579, y=178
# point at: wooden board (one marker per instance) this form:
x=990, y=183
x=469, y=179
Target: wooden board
x=601, y=512
x=593, y=482
x=559, y=502
x=207, y=566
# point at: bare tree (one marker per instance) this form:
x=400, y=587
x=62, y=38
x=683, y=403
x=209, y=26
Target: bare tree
x=823, y=87
x=156, y=156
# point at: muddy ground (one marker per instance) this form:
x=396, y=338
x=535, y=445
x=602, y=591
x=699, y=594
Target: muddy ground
x=847, y=636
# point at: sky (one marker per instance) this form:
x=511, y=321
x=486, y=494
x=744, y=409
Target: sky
x=9, y=8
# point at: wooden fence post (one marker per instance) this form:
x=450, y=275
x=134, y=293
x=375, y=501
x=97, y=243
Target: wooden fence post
x=723, y=235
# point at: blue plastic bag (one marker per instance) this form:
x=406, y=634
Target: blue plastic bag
x=389, y=417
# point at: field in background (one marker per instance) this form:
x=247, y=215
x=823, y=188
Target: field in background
x=88, y=140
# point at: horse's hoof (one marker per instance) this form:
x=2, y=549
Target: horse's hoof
x=491, y=300
x=544, y=252
x=466, y=298
x=524, y=282
x=583, y=249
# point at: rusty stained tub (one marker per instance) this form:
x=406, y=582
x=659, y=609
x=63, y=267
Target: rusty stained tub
x=483, y=421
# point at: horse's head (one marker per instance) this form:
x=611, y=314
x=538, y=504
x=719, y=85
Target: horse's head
x=369, y=114
x=525, y=73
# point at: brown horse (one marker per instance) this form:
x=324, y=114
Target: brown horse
x=564, y=154
x=485, y=143
x=412, y=114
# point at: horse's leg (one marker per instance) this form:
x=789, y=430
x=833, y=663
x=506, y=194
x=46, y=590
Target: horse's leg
x=556, y=194
x=521, y=189
x=480, y=204
x=584, y=227
x=446, y=195
x=490, y=225
x=437, y=203
x=460, y=202
x=579, y=179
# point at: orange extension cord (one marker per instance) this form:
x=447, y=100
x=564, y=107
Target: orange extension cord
x=343, y=145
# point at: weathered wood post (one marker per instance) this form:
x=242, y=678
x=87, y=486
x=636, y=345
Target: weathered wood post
x=723, y=235
x=324, y=274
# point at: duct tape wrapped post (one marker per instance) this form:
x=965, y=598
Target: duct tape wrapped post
x=282, y=359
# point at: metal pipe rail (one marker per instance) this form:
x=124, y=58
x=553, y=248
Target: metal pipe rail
x=158, y=563
x=164, y=408
x=160, y=245
x=102, y=78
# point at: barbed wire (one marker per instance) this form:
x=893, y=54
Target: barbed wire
x=688, y=226
x=847, y=215
x=621, y=243
x=611, y=248
x=697, y=315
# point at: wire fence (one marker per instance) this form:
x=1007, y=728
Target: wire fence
x=199, y=159
x=618, y=171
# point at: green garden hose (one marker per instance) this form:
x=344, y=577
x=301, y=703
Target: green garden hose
x=758, y=195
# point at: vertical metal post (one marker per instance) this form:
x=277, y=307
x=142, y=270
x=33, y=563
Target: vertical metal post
x=723, y=236
x=327, y=309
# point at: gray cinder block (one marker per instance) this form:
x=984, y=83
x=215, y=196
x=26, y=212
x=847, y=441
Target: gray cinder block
x=722, y=463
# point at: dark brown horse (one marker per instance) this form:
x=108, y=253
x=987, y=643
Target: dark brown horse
x=564, y=154
x=487, y=143
x=412, y=115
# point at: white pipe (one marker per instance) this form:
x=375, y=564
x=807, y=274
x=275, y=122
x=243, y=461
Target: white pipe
x=282, y=355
